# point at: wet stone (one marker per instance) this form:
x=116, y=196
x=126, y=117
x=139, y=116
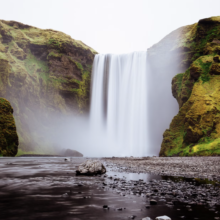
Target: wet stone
x=153, y=202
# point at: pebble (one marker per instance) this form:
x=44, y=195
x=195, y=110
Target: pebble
x=163, y=218
x=153, y=202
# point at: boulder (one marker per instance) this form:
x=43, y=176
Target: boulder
x=91, y=167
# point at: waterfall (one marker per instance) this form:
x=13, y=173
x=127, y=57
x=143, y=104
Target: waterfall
x=118, y=113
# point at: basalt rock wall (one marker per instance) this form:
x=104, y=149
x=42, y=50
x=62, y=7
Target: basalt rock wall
x=43, y=73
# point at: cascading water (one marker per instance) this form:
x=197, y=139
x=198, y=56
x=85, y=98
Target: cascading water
x=118, y=111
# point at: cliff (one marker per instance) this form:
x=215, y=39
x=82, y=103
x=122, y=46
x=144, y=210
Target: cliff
x=43, y=73
x=172, y=55
x=195, y=130
x=8, y=134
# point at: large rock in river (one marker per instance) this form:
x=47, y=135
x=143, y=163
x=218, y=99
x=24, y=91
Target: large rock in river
x=8, y=134
x=91, y=167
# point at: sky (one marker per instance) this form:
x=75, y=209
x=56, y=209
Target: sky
x=110, y=26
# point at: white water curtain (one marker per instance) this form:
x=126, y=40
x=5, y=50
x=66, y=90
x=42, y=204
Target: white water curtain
x=118, y=110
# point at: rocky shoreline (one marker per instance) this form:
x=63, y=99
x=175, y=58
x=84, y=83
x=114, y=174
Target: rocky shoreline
x=190, y=167
x=180, y=194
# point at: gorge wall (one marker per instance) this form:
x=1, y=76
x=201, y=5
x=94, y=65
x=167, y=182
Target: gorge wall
x=195, y=130
x=44, y=74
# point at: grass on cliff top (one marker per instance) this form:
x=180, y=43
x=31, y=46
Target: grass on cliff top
x=42, y=36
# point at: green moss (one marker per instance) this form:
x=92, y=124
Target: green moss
x=53, y=54
x=8, y=134
x=179, y=78
x=79, y=66
x=59, y=80
x=3, y=55
x=34, y=65
x=205, y=77
x=200, y=114
x=54, y=42
x=198, y=46
x=75, y=80
x=83, y=91
x=74, y=90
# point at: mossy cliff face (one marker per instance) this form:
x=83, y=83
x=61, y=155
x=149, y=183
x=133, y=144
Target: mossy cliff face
x=195, y=130
x=42, y=72
x=8, y=134
x=172, y=55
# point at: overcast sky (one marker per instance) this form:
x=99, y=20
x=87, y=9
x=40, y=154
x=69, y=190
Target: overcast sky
x=110, y=26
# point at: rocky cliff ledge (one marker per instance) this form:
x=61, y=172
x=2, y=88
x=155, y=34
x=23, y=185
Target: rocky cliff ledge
x=8, y=134
x=195, y=130
x=42, y=72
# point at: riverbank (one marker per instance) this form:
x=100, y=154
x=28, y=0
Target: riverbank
x=191, y=167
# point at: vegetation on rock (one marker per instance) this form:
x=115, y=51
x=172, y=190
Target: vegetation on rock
x=42, y=72
x=195, y=130
x=8, y=134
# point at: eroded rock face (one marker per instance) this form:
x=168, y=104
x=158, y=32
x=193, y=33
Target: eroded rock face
x=91, y=167
x=8, y=134
x=42, y=73
x=195, y=130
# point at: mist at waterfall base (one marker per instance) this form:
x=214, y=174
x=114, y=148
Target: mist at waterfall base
x=117, y=122
x=131, y=106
